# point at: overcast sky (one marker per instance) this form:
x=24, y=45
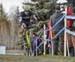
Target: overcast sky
x=7, y=4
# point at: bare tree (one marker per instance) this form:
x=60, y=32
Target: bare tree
x=13, y=16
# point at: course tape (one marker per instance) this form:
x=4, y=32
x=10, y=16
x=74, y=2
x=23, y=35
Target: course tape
x=54, y=26
x=52, y=38
x=70, y=17
x=58, y=33
x=61, y=19
x=70, y=32
x=63, y=29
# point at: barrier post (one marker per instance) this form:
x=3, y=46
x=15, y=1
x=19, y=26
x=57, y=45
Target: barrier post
x=65, y=25
x=44, y=40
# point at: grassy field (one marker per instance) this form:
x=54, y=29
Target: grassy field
x=47, y=58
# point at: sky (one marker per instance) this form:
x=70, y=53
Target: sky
x=7, y=4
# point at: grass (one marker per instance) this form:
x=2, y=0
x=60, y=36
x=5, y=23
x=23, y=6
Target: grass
x=47, y=58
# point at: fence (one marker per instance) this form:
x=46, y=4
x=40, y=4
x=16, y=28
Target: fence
x=65, y=17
